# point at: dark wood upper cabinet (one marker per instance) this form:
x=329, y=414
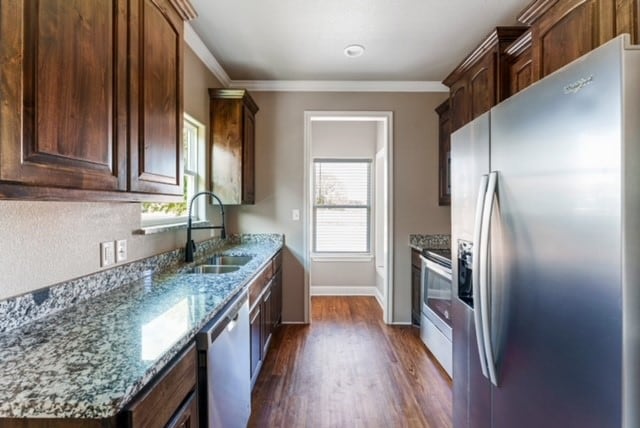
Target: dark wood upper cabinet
x=520, y=63
x=63, y=87
x=564, y=30
x=156, y=97
x=444, y=150
x=233, y=145
x=480, y=81
x=91, y=99
x=460, y=109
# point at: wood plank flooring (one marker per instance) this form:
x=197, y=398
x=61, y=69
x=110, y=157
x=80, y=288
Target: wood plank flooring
x=349, y=369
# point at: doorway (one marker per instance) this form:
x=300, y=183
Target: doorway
x=348, y=144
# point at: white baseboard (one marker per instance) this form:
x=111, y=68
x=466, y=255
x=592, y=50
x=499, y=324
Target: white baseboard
x=379, y=297
x=343, y=290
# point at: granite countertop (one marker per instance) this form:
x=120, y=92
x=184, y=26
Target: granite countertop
x=430, y=242
x=90, y=360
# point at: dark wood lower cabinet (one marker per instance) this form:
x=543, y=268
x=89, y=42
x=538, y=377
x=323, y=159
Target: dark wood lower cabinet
x=171, y=400
x=255, y=317
x=415, y=288
x=265, y=313
x=267, y=323
x=187, y=415
x=276, y=300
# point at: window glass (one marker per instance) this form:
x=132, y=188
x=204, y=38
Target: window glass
x=342, y=206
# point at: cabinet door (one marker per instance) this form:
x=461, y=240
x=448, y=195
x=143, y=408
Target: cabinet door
x=256, y=341
x=569, y=30
x=459, y=104
x=415, y=295
x=627, y=18
x=162, y=400
x=248, y=158
x=276, y=307
x=156, y=98
x=267, y=322
x=520, y=71
x=63, y=115
x=187, y=415
x=444, y=154
x=482, y=85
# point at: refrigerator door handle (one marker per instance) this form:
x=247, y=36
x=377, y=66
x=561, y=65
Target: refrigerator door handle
x=475, y=273
x=485, y=288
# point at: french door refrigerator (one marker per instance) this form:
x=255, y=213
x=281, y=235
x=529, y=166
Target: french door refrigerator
x=546, y=229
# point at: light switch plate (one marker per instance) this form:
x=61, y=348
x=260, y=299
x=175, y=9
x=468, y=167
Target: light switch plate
x=107, y=253
x=121, y=250
x=295, y=215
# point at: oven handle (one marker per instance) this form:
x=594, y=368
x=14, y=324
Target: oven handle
x=475, y=274
x=432, y=266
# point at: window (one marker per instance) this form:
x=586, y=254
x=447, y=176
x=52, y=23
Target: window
x=342, y=206
x=155, y=213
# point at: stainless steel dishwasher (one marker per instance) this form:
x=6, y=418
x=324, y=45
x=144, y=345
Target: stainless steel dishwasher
x=224, y=367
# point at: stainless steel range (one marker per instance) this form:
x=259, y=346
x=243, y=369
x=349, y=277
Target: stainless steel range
x=436, y=295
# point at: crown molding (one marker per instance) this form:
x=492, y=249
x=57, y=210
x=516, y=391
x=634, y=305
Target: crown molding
x=339, y=86
x=197, y=45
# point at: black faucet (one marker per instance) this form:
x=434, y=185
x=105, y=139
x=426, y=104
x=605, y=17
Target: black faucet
x=191, y=246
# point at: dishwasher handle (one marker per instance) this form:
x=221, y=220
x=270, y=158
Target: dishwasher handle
x=226, y=319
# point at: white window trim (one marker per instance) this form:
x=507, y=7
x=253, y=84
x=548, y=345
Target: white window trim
x=346, y=256
x=169, y=223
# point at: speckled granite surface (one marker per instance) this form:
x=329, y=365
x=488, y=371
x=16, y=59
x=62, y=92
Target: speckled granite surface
x=90, y=359
x=26, y=308
x=432, y=242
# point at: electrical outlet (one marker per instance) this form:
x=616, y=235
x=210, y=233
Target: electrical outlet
x=121, y=250
x=107, y=253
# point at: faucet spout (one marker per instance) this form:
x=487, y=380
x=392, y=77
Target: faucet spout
x=190, y=247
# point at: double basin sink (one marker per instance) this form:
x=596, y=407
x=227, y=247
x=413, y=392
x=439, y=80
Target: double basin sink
x=221, y=263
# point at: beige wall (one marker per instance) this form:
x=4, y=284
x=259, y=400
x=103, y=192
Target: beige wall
x=343, y=139
x=43, y=243
x=279, y=179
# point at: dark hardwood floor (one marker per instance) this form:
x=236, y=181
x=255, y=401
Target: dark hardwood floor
x=349, y=369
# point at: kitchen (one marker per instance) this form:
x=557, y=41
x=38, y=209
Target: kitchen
x=37, y=255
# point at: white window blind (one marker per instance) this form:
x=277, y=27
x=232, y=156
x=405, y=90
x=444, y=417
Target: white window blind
x=342, y=206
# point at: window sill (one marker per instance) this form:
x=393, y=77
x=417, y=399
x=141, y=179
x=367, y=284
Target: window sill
x=161, y=228
x=350, y=258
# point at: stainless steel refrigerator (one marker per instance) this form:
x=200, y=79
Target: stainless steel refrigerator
x=546, y=229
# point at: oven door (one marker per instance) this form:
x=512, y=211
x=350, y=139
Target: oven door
x=436, y=294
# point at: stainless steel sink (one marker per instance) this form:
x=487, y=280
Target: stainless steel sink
x=214, y=269
x=221, y=259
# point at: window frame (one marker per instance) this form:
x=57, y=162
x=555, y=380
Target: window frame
x=342, y=255
x=199, y=180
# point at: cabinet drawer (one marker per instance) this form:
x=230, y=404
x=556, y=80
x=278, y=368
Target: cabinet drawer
x=415, y=258
x=258, y=283
x=164, y=398
x=187, y=416
x=276, y=262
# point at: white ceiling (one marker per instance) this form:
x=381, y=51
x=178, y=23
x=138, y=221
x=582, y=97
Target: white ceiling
x=405, y=40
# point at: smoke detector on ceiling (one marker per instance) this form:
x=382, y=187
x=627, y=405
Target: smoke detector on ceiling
x=353, y=51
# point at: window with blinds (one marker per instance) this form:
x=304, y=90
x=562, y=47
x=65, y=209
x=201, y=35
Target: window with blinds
x=342, y=206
